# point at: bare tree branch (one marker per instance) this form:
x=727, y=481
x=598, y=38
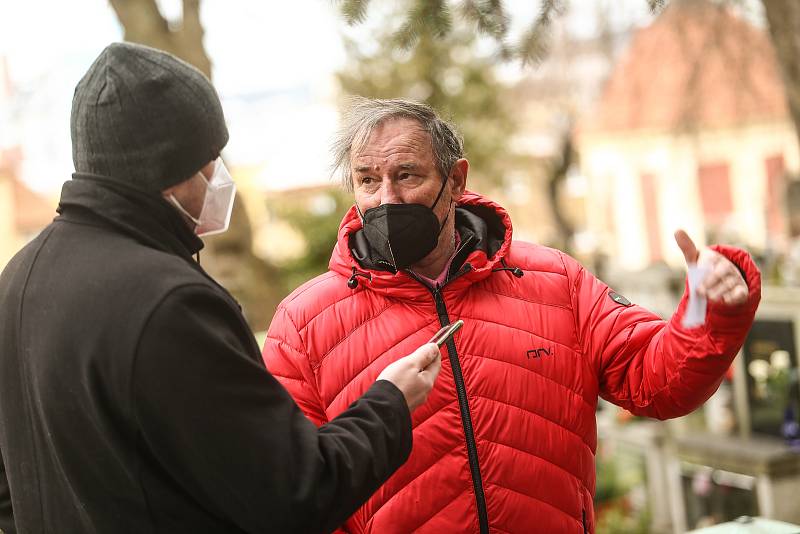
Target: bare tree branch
x=143, y=23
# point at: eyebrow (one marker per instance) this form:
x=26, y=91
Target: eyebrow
x=403, y=166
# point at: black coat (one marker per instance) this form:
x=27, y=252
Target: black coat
x=133, y=397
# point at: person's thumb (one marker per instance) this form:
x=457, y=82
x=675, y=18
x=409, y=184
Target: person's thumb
x=687, y=246
x=425, y=355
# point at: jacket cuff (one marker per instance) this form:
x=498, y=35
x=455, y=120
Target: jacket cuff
x=752, y=277
x=722, y=317
x=385, y=390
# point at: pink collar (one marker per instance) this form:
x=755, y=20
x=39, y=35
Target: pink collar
x=442, y=278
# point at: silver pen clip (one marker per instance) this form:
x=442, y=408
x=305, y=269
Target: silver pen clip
x=445, y=332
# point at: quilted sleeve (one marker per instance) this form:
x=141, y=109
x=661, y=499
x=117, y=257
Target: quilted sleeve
x=655, y=368
x=285, y=357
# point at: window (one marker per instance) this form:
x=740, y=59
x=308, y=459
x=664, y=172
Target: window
x=715, y=192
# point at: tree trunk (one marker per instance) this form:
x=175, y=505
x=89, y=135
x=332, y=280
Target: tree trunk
x=556, y=177
x=784, y=29
x=228, y=257
x=144, y=24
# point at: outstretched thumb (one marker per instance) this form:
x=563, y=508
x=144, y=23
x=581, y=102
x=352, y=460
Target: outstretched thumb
x=687, y=246
x=425, y=355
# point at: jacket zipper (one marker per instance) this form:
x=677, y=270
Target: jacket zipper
x=466, y=417
x=585, y=528
x=461, y=390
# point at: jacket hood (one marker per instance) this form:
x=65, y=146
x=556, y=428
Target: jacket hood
x=485, y=230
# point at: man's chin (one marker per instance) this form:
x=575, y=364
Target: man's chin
x=431, y=266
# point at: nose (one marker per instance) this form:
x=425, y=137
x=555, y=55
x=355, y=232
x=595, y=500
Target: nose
x=390, y=192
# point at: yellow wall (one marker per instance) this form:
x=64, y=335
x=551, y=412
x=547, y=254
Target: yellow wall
x=613, y=164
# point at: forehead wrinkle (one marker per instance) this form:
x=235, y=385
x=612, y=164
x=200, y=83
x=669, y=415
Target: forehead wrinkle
x=412, y=137
x=403, y=149
x=400, y=160
x=391, y=153
x=385, y=146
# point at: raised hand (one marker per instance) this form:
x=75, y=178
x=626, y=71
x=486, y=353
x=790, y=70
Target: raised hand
x=724, y=282
x=415, y=374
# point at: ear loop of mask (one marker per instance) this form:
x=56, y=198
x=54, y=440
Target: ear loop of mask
x=441, y=225
x=182, y=209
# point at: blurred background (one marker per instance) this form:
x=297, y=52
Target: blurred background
x=601, y=125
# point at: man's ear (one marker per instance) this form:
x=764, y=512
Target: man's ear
x=458, y=178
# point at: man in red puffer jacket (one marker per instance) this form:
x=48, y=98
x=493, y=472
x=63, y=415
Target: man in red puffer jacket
x=506, y=442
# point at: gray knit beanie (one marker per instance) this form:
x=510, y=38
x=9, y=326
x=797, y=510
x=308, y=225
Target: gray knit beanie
x=146, y=118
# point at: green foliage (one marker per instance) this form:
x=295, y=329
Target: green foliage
x=616, y=521
x=609, y=486
x=489, y=16
x=354, y=11
x=433, y=18
x=534, y=44
x=426, y=17
x=614, y=512
x=449, y=75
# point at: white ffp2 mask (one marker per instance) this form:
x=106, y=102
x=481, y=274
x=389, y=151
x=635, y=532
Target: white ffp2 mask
x=215, y=216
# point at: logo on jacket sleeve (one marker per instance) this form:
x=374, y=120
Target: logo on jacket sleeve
x=619, y=299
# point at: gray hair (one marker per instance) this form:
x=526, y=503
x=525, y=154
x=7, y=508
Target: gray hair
x=363, y=115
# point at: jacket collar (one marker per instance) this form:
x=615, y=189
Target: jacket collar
x=485, y=230
x=148, y=218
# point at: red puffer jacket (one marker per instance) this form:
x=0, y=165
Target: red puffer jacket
x=506, y=440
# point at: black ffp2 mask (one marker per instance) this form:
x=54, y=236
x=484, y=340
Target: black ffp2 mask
x=403, y=234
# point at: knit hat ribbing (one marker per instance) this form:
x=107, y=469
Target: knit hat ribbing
x=144, y=117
